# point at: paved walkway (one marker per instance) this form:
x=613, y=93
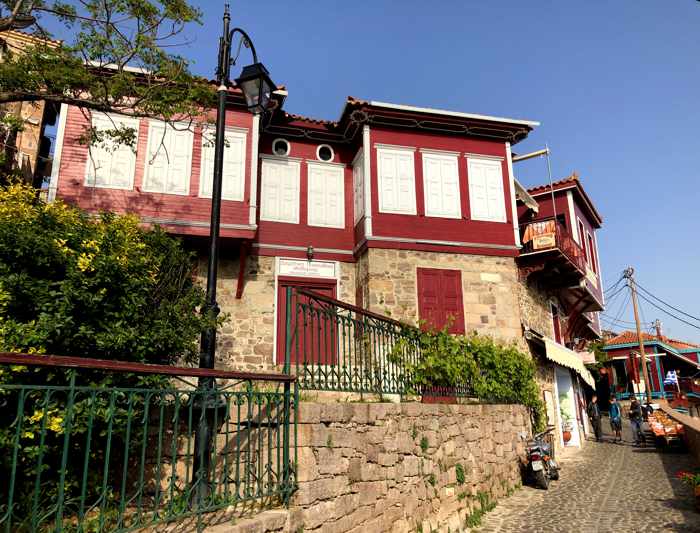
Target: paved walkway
x=605, y=487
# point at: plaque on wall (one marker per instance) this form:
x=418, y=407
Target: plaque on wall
x=307, y=269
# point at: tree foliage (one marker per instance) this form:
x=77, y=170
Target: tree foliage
x=105, y=288
x=113, y=57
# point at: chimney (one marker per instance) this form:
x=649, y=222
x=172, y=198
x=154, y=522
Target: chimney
x=657, y=325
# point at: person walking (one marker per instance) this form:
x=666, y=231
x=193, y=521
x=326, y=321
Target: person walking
x=594, y=415
x=616, y=419
x=636, y=417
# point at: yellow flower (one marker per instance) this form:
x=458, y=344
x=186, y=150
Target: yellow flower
x=84, y=262
x=55, y=424
x=28, y=435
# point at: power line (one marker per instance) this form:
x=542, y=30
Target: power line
x=667, y=312
x=667, y=304
x=618, y=291
x=613, y=285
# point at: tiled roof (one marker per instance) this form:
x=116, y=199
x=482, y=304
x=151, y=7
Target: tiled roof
x=630, y=337
x=293, y=116
x=545, y=188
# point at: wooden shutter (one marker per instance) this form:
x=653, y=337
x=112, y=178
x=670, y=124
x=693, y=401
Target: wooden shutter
x=358, y=187
x=477, y=190
x=169, y=159
x=387, y=181
x=451, y=294
x=397, y=182
x=326, y=197
x=279, y=195
x=406, y=200
x=440, y=299
x=486, y=197
x=233, y=175
x=441, y=181
x=109, y=164
x=494, y=192
x=179, y=161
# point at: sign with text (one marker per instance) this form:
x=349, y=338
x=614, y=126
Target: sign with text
x=307, y=269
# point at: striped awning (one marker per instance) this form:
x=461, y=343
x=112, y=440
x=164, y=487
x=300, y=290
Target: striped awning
x=568, y=358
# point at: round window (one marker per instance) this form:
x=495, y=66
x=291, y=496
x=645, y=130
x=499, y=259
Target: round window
x=280, y=147
x=324, y=153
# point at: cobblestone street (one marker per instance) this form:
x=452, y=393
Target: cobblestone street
x=604, y=488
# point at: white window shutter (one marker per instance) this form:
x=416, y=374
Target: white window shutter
x=397, y=183
x=180, y=161
x=109, y=164
x=206, y=166
x=449, y=171
x=494, y=191
x=358, y=194
x=388, y=190
x=477, y=191
x=407, y=184
x=234, y=167
x=279, y=194
x=326, y=195
x=441, y=182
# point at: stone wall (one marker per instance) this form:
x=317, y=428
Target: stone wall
x=535, y=309
x=489, y=285
x=371, y=467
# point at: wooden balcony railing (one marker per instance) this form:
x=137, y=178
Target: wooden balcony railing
x=548, y=234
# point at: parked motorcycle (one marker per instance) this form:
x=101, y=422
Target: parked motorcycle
x=541, y=464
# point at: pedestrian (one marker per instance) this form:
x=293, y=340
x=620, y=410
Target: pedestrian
x=636, y=417
x=616, y=418
x=594, y=415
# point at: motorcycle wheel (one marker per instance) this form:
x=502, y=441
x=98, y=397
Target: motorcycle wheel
x=554, y=474
x=542, y=480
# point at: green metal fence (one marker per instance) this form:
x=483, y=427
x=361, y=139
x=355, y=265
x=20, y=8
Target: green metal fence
x=335, y=346
x=79, y=454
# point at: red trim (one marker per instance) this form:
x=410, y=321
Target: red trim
x=372, y=243
x=241, y=269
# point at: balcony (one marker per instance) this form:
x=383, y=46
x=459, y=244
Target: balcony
x=551, y=253
x=551, y=258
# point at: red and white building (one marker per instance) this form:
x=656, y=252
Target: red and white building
x=402, y=210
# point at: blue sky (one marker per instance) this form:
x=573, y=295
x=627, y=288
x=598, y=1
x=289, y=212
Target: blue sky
x=614, y=83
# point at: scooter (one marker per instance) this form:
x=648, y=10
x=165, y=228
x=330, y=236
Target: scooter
x=541, y=464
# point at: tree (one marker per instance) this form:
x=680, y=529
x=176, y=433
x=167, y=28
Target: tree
x=106, y=288
x=113, y=58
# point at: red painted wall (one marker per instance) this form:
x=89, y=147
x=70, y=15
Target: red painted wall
x=71, y=182
x=303, y=235
x=421, y=227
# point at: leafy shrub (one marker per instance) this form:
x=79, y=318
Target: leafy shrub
x=103, y=287
x=494, y=371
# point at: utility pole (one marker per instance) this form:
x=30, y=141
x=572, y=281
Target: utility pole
x=629, y=275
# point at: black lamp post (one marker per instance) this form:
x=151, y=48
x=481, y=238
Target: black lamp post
x=257, y=88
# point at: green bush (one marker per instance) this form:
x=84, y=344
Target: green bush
x=494, y=371
x=101, y=287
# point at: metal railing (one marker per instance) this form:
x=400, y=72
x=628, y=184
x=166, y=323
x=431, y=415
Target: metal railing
x=94, y=446
x=548, y=234
x=335, y=346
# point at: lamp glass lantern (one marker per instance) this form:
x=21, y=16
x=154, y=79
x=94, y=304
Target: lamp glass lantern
x=257, y=87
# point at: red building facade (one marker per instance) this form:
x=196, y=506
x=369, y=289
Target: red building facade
x=402, y=210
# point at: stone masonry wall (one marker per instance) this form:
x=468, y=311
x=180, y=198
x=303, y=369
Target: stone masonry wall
x=490, y=288
x=246, y=341
x=535, y=309
x=373, y=467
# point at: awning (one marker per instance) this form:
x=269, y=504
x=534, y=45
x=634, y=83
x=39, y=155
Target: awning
x=568, y=358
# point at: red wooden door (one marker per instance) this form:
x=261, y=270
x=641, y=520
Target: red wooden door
x=440, y=299
x=317, y=333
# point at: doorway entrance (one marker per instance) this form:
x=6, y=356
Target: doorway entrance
x=316, y=332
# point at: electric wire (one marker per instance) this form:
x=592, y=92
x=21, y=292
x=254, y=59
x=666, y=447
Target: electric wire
x=667, y=312
x=648, y=293
x=612, y=287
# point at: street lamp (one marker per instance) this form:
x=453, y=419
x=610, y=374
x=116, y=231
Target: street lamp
x=257, y=87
